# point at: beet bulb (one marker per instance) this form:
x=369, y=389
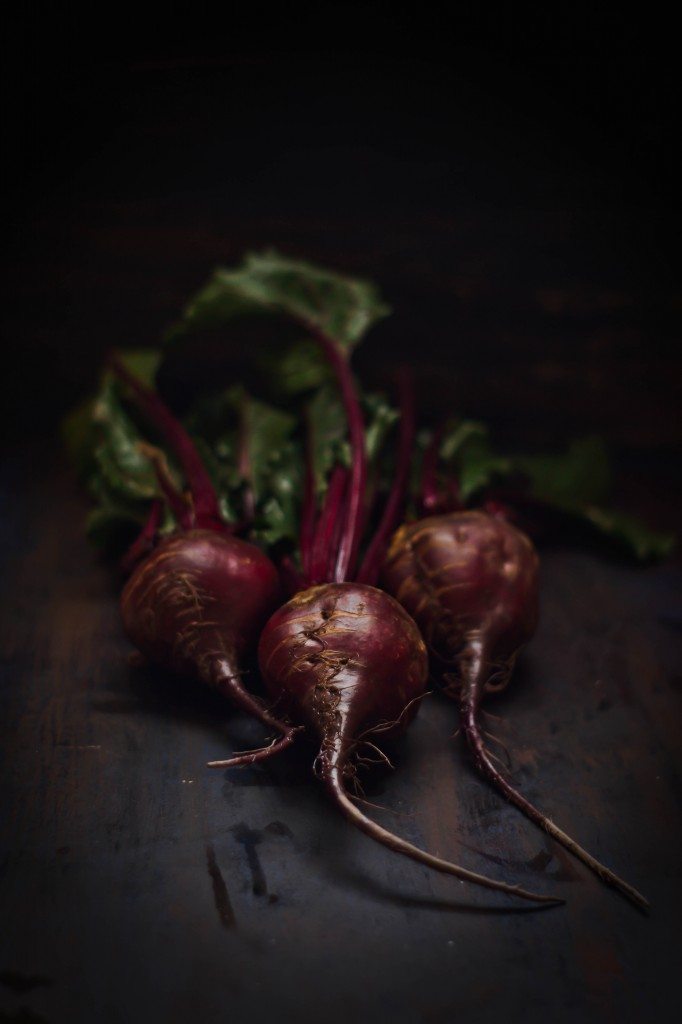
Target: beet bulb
x=470, y=581
x=196, y=602
x=347, y=662
x=196, y=606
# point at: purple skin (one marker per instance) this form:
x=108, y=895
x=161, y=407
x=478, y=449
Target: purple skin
x=346, y=661
x=179, y=610
x=470, y=581
x=198, y=601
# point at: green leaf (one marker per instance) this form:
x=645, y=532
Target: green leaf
x=266, y=431
x=380, y=418
x=327, y=431
x=103, y=441
x=143, y=363
x=343, y=308
x=219, y=460
x=579, y=477
x=645, y=544
x=466, y=447
x=233, y=423
x=278, y=511
x=118, y=457
x=298, y=368
x=101, y=426
x=456, y=436
x=578, y=483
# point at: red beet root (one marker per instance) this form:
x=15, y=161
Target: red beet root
x=198, y=601
x=196, y=606
x=346, y=661
x=469, y=580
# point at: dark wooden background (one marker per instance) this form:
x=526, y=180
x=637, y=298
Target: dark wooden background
x=513, y=189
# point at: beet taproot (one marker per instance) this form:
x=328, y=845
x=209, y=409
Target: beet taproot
x=470, y=581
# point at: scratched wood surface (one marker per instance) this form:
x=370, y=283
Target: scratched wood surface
x=138, y=886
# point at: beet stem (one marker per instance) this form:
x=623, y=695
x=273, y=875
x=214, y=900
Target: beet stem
x=244, y=466
x=224, y=679
x=145, y=540
x=249, y=757
x=333, y=777
x=307, y=531
x=350, y=538
x=324, y=532
x=371, y=565
x=206, y=507
x=470, y=699
x=175, y=501
x=292, y=580
x=430, y=495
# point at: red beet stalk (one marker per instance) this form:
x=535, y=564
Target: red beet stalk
x=206, y=508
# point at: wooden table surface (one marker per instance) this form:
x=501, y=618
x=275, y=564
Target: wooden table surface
x=139, y=886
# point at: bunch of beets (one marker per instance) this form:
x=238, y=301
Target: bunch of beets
x=389, y=582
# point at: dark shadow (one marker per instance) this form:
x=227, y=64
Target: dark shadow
x=380, y=893
x=154, y=692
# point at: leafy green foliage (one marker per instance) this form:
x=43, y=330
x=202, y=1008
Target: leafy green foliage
x=380, y=418
x=297, y=368
x=466, y=448
x=578, y=483
x=249, y=446
x=631, y=534
x=123, y=466
x=343, y=308
x=579, y=477
x=327, y=426
x=254, y=451
x=575, y=483
x=103, y=440
x=327, y=436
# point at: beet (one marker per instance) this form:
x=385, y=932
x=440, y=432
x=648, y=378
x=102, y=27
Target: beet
x=196, y=602
x=346, y=661
x=196, y=606
x=470, y=581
